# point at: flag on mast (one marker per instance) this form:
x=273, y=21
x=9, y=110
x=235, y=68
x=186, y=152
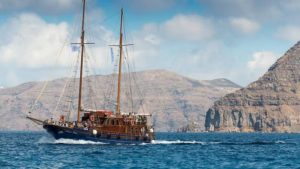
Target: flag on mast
x=112, y=55
x=75, y=48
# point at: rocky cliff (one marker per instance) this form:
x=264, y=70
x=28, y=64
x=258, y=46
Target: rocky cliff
x=270, y=104
x=173, y=100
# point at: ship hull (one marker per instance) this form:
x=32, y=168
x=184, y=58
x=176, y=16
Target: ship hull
x=60, y=132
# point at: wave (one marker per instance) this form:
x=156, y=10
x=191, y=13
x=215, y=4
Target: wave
x=70, y=141
x=280, y=142
x=46, y=140
x=256, y=143
x=180, y=142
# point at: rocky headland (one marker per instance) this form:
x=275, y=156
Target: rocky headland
x=270, y=104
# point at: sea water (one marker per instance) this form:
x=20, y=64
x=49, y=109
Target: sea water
x=170, y=150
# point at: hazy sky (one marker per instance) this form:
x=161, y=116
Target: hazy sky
x=202, y=39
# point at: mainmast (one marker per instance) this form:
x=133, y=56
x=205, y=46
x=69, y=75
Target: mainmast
x=118, y=112
x=81, y=61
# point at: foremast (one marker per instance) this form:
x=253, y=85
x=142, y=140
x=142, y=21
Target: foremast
x=118, y=111
x=81, y=62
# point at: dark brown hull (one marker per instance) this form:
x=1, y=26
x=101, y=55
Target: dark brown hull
x=60, y=132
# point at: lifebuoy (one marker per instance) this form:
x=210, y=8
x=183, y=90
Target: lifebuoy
x=92, y=117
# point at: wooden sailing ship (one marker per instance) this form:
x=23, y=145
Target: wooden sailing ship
x=100, y=125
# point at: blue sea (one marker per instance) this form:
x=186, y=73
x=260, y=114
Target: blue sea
x=170, y=150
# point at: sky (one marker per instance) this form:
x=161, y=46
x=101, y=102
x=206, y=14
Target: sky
x=202, y=39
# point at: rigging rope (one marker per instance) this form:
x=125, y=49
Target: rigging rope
x=91, y=93
x=133, y=75
x=32, y=107
x=38, y=97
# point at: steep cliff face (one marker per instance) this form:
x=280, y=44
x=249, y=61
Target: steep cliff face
x=173, y=100
x=270, y=104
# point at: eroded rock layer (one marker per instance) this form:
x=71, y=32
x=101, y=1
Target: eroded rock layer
x=270, y=104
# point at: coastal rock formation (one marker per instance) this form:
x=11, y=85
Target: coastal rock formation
x=193, y=127
x=173, y=100
x=270, y=104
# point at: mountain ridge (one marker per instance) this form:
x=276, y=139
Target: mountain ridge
x=173, y=99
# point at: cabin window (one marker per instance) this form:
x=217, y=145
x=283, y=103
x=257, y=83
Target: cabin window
x=117, y=122
x=112, y=122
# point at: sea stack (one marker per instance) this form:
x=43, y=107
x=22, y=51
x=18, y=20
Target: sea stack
x=270, y=104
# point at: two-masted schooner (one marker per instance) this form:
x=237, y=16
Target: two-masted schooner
x=100, y=125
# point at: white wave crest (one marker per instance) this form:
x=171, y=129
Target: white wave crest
x=280, y=142
x=70, y=141
x=46, y=140
x=180, y=142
